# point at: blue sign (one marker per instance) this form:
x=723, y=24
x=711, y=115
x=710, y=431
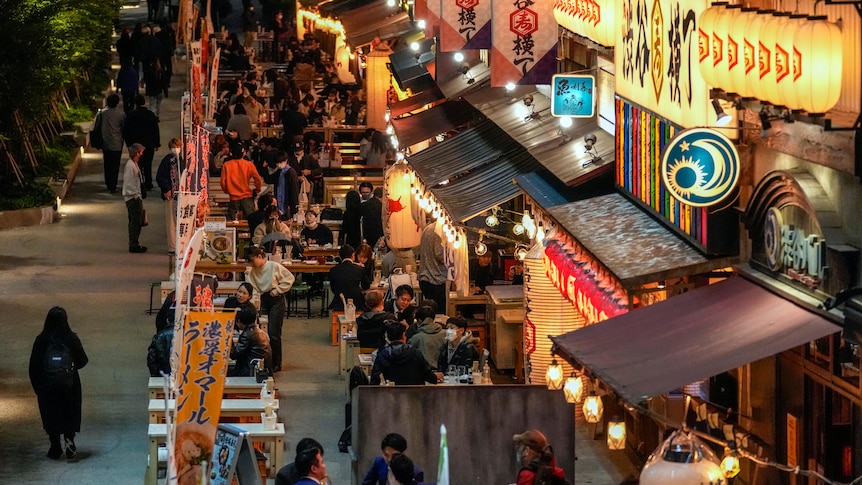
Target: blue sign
x=700, y=167
x=574, y=95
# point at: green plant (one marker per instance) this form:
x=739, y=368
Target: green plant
x=53, y=161
x=77, y=114
x=29, y=195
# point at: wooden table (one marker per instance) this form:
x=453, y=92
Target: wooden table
x=273, y=441
x=294, y=267
x=318, y=252
x=247, y=387
x=230, y=408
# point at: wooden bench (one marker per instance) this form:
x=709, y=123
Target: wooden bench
x=272, y=440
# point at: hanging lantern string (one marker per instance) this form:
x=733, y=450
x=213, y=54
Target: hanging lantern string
x=742, y=452
x=486, y=233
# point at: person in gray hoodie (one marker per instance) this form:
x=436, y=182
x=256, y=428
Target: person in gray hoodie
x=429, y=336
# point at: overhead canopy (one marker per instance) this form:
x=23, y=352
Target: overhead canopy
x=335, y=8
x=563, y=152
x=408, y=57
x=613, y=230
x=707, y=331
x=376, y=19
x=479, y=165
x=545, y=189
x=418, y=100
x=409, y=67
x=466, y=151
x=456, y=79
x=427, y=124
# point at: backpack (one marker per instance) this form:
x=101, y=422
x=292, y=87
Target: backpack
x=58, y=366
x=96, y=140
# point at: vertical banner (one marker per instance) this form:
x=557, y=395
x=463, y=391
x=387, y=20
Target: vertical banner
x=195, y=83
x=212, y=96
x=202, y=292
x=524, y=38
x=187, y=205
x=465, y=24
x=205, y=51
x=205, y=353
x=186, y=262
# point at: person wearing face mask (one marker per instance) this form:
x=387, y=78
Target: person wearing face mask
x=429, y=337
x=460, y=346
x=168, y=179
x=315, y=232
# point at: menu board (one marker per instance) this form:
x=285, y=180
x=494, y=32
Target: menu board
x=232, y=456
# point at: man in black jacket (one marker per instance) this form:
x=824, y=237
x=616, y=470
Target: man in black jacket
x=142, y=126
x=371, y=212
x=400, y=363
x=253, y=344
x=349, y=279
x=371, y=325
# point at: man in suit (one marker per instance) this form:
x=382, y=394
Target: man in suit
x=142, y=126
x=349, y=279
x=311, y=467
x=371, y=212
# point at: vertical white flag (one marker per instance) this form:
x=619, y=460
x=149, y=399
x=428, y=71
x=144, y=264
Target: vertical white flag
x=443, y=465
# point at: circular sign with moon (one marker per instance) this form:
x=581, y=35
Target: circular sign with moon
x=700, y=167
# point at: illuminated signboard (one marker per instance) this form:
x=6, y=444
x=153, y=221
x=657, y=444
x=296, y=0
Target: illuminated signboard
x=700, y=167
x=573, y=95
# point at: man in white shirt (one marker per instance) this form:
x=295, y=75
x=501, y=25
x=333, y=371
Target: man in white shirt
x=132, y=180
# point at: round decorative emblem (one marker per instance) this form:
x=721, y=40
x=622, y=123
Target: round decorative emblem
x=772, y=238
x=700, y=167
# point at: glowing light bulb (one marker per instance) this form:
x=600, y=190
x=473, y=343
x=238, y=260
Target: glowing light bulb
x=458, y=57
x=510, y=86
x=414, y=46
x=481, y=248
x=420, y=24
x=521, y=253
x=389, y=129
x=566, y=122
x=457, y=243
x=492, y=221
x=518, y=229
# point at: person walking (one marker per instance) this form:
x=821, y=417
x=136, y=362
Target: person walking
x=56, y=358
x=272, y=281
x=432, y=273
x=168, y=179
x=133, y=196
x=142, y=127
x=113, y=120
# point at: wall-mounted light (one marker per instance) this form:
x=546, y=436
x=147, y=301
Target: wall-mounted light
x=722, y=118
x=390, y=3
x=616, y=434
x=421, y=24
x=528, y=100
x=554, y=376
x=465, y=74
x=590, y=140
x=414, y=46
x=574, y=389
x=593, y=408
x=458, y=57
x=510, y=86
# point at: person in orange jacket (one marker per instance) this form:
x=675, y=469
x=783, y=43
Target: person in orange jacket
x=236, y=175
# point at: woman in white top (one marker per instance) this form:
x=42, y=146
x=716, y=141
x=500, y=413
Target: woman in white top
x=270, y=224
x=271, y=280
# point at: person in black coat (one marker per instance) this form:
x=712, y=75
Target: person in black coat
x=159, y=352
x=349, y=279
x=58, y=393
x=142, y=126
x=400, y=363
x=460, y=346
x=371, y=325
x=372, y=218
x=351, y=221
x=252, y=345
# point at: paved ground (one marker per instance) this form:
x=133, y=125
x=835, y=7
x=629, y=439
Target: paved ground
x=82, y=264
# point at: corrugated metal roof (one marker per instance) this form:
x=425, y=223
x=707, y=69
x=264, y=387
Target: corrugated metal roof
x=486, y=187
x=427, y=124
x=362, y=25
x=686, y=338
x=634, y=246
x=561, y=152
x=545, y=189
x=466, y=151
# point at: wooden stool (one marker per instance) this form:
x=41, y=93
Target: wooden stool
x=334, y=331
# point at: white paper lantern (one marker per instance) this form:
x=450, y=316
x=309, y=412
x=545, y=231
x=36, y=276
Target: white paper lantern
x=745, y=38
x=788, y=89
x=820, y=45
x=706, y=27
x=400, y=228
x=769, y=36
x=762, y=59
x=720, y=33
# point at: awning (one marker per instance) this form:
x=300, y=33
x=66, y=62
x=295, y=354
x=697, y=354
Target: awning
x=418, y=100
x=456, y=79
x=547, y=190
x=415, y=78
x=479, y=164
x=631, y=244
x=563, y=152
x=427, y=124
x=406, y=57
x=335, y=8
x=410, y=71
x=693, y=336
x=376, y=19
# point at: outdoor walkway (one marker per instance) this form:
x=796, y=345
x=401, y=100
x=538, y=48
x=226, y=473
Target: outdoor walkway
x=82, y=263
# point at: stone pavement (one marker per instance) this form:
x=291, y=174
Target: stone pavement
x=82, y=264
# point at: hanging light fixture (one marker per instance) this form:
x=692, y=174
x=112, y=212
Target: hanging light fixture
x=706, y=24
x=617, y=434
x=540, y=233
x=554, y=376
x=820, y=45
x=768, y=38
x=762, y=55
x=593, y=408
x=492, y=220
x=574, y=389
x=730, y=463
x=457, y=243
x=481, y=247
x=521, y=253
x=518, y=229
x=721, y=117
